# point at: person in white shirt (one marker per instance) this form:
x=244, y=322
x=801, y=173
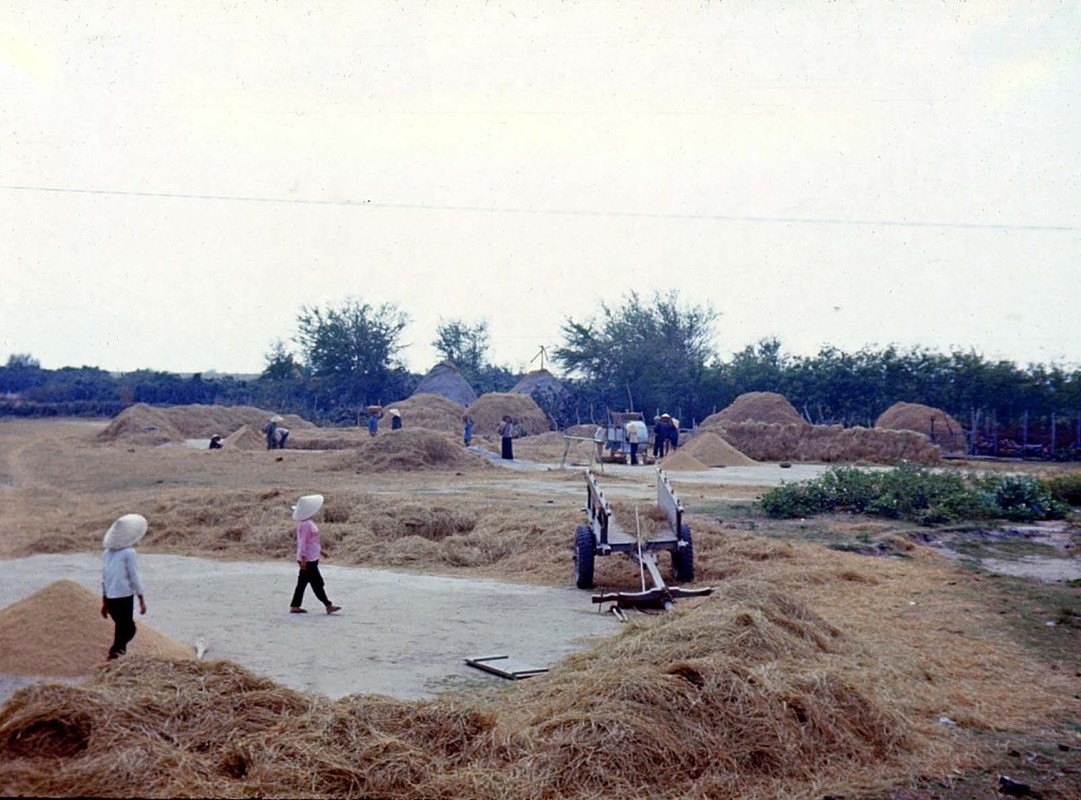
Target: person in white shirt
x=120, y=583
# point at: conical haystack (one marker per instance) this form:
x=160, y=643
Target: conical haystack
x=679, y=461
x=244, y=438
x=541, y=385
x=433, y=412
x=490, y=408
x=758, y=407
x=59, y=631
x=445, y=380
x=713, y=451
x=934, y=423
x=144, y=424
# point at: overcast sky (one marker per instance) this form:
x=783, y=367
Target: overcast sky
x=178, y=179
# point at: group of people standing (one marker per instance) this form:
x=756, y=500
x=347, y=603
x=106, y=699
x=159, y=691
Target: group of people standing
x=665, y=435
x=375, y=414
x=121, y=584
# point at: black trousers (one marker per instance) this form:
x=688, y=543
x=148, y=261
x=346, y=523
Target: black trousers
x=634, y=452
x=508, y=448
x=122, y=610
x=309, y=576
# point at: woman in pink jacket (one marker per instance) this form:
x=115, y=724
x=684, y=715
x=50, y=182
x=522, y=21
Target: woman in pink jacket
x=309, y=550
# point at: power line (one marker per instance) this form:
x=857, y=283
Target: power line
x=753, y=218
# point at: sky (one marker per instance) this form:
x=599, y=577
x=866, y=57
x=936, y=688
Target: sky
x=178, y=180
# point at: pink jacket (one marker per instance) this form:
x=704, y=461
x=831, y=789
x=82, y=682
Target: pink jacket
x=309, y=548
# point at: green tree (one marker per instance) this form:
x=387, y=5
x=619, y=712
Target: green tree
x=352, y=351
x=464, y=345
x=644, y=356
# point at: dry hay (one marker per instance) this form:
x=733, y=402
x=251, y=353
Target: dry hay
x=828, y=443
x=59, y=630
x=934, y=423
x=432, y=412
x=445, y=380
x=681, y=461
x=757, y=407
x=144, y=424
x=244, y=438
x=713, y=451
x=584, y=431
x=541, y=385
x=490, y=409
x=547, y=447
x=407, y=450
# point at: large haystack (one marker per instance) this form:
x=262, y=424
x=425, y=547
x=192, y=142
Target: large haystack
x=59, y=631
x=445, y=380
x=758, y=407
x=244, y=438
x=541, y=385
x=490, y=409
x=713, y=451
x=934, y=423
x=433, y=412
x=764, y=441
x=405, y=450
x=144, y=424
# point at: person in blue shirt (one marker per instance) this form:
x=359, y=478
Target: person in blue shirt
x=373, y=422
x=467, y=421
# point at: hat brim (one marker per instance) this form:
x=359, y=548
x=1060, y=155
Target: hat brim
x=125, y=532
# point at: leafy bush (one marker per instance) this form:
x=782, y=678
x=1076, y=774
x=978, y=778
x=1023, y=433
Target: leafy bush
x=1064, y=488
x=915, y=494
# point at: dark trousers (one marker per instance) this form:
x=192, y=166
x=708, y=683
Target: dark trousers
x=122, y=610
x=508, y=448
x=634, y=452
x=309, y=576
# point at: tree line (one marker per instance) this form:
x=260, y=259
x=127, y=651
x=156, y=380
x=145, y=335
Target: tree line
x=649, y=354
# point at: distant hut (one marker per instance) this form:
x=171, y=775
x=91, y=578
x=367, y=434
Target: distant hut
x=445, y=380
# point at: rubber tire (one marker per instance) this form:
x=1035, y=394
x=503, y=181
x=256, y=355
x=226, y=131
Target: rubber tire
x=585, y=549
x=683, y=558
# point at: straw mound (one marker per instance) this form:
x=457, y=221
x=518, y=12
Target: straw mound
x=445, y=380
x=188, y=422
x=244, y=438
x=545, y=447
x=680, y=461
x=406, y=450
x=431, y=411
x=541, y=385
x=828, y=443
x=490, y=409
x=59, y=631
x=585, y=431
x=715, y=700
x=934, y=423
x=758, y=407
x=713, y=451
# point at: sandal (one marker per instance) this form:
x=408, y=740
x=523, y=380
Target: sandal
x=331, y=608
x=297, y=610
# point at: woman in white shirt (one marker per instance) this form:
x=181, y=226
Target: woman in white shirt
x=120, y=582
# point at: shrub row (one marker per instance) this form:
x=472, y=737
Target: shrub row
x=919, y=495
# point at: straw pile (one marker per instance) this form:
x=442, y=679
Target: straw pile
x=59, y=631
x=713, y=451
x=934, y=423
x=406, y=450
x=828, y=443
x=144, y=424
x=445, y=380
x=757, y=407
x=490, y=409
x=431, y=411
x=244, y=438
x=681, y=461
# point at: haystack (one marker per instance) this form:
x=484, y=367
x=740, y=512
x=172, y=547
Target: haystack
x=405, y=450
x=758, y=407
x=445, y=380
x=433, y=412
x=541, y=385
x=713, y=451
x=490, y=408
x=934, y=423
x=765, y=441
x=144, y=424
x=244, y=438
x=59, y=631
x=680, y=461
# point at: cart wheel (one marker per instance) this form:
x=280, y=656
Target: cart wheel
x=683, y=557
x=585, y=547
